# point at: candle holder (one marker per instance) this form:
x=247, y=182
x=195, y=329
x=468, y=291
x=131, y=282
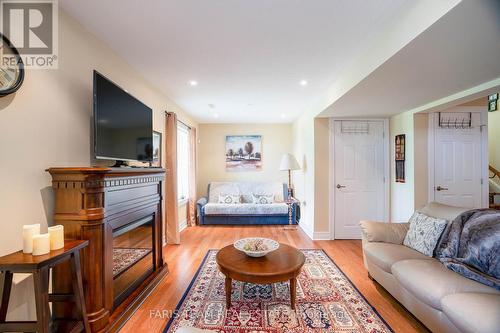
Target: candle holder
x=56, y=237
x=29, y=231
x=41, y=244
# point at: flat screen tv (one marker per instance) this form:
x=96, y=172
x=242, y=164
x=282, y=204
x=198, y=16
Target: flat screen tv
x=123, y=125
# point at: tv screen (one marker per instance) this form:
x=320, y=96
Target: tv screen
x=123, y=125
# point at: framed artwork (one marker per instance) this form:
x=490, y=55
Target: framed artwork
x=156, y=162
x=400, y=144
x=493, y=102
x=243, y=152
x=492, y=106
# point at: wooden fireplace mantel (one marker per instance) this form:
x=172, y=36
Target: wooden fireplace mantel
x=91, y=202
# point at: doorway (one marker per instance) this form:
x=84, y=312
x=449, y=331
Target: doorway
x=360, y=174
x=456, y=158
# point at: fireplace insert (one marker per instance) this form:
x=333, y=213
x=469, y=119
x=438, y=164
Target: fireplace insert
x=133, y=256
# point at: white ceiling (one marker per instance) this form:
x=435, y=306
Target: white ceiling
x=248, y=56
x=460, y=51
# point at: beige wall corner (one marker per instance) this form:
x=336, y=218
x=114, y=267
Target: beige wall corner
x=303, y=149
x=322, y=175
x=494, y=139
x=421, y=160
x=402, y=194
x=311, y=144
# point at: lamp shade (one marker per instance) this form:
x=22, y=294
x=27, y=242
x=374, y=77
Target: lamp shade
x=288, y=162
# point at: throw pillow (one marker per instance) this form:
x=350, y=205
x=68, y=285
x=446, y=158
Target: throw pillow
x=424, y=233
x=263, y=198
x=229, y=198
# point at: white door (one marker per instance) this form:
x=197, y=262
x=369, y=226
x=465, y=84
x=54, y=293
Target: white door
x=358, y=175
x=457, y=161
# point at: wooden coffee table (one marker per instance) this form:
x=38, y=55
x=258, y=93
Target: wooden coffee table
x=281, y=265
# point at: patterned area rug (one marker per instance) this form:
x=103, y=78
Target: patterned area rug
x=326, y=302
x=124, y=257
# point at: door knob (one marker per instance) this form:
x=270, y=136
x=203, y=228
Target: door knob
x=340, y=186
x=440, y=188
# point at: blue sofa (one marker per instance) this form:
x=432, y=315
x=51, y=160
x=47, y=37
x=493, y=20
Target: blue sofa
x=211, y=212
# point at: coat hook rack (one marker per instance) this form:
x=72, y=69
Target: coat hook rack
x=459, y=122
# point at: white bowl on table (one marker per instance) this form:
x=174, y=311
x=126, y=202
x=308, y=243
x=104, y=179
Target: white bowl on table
x=271, y=245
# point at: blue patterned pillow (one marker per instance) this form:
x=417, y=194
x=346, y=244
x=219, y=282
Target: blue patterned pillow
x=424, y=233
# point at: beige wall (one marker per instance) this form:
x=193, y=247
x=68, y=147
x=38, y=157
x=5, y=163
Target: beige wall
x=311, y=144
x=494, y=138
x=304, y=181
x=413, y=194
x=402, y=194
x=421, y=165
x=322, y=169
x=47, y=123
x=276, y=141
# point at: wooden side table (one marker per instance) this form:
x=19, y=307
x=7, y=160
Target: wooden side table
x=39, y=266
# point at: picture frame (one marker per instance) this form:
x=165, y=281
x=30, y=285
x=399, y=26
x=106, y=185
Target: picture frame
x=400, y=146
x=243, y=153
x=493, y=102
x=156, y=161
x=493, y=97
x=399, y=156
x=493, y=106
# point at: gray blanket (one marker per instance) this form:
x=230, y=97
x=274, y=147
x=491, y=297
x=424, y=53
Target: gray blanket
x=470, y=246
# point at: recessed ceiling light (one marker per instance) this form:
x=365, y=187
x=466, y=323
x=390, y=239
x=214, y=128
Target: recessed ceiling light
x=303, y=82
x=193, y=83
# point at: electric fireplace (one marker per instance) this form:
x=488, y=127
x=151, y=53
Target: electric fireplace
x=119, y=210
x=133, y=256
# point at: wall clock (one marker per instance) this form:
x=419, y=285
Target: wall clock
x=11, y=68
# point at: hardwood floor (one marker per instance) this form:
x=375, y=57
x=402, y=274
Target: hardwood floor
x=184, y=260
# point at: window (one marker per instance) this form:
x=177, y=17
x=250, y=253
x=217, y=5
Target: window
x=182, y=162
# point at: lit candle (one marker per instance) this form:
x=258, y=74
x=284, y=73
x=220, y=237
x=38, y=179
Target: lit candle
x=29, y=231
x=41, y=244
x=56, y=237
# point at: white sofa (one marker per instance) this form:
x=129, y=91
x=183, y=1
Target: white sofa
x=441, y=299
x=210, y=211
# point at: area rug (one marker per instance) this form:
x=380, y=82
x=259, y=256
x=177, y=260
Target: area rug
x=124, y=257
x=326, y=302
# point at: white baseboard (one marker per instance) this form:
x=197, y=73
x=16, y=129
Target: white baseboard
x=307, y=230
x=322, y=235
x=183, y=225
x=315, y=235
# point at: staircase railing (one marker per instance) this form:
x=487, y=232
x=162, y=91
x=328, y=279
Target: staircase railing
x=495, y=172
